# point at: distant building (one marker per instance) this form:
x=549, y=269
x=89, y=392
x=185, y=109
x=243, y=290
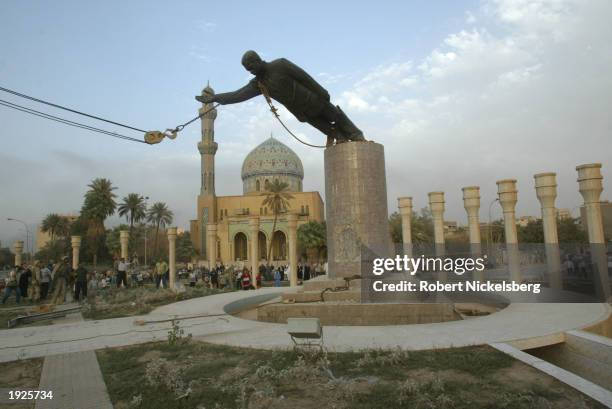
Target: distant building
x=450, y=226
x=523, y=221
x=564, y=214
x=269, y=161
x=606, y=215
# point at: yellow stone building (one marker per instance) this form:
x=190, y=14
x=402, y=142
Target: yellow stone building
x=228, y=218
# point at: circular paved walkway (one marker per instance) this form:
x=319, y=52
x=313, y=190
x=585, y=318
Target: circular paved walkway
x=516, y=322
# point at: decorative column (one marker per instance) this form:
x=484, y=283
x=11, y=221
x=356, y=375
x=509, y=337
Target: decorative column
x=546, y=190
x=124, y=237
x=591, y=186
x=471, y=203
x=211, y=239
x=292, y=230
x=172, y=256
x=18, y=252
x=405, y=209
x=507, y=193
x=436, y=205
x=75, y=241
x=254, y=233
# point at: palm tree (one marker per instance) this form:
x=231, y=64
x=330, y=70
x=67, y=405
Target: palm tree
x=159, y=215
x=133, y=208
x=98, y=205
x=312, y=237
x=277, y=200
x=51, y=225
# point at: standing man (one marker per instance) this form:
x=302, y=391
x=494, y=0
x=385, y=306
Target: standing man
x=122, y=273
x=35, y=282
x=61, y=274
x=165, y=273
x=45, y=280
x=24, y=275
x=80, y=286
x=11, y=286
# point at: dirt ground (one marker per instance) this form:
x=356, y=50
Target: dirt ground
x=20, y=375
x=200, y=375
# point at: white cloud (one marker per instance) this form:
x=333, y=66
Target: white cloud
x=524, y=90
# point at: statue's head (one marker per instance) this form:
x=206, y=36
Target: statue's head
x=252, y=62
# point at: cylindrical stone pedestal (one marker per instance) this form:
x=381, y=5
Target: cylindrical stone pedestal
x=356, y=205
x=546, y=190
x=18, y=252
x=405, y=209
x=211, y=239
x=507, y=193
x=591, y=186
x=172, y=256
x=254, y=240
x=124, y=237
x=471, y=203
x=292, y=230
x=75, y=241
x=436, y=205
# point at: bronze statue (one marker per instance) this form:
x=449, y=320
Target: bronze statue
x=297, y=91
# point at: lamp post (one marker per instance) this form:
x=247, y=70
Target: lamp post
x=25, y=226
x=145, y=232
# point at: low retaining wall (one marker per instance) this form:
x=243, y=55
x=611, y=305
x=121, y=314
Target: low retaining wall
x=359, y=314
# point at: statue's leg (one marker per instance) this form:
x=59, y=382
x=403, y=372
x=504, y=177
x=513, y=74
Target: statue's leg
x=345, y=129
x=325, y=127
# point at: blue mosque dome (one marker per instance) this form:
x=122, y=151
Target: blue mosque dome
x=271, y=160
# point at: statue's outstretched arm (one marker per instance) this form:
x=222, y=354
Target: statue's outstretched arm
x=247, y=92
x=306, y=80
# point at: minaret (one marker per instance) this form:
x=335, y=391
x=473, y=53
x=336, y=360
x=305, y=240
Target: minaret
x=207, y=209
x=208, y=146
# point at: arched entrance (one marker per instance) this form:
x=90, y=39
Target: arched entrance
x=263, y=250
x=240, y=246
x=279, y=246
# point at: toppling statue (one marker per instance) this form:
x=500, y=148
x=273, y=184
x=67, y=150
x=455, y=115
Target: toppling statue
x=297, y=91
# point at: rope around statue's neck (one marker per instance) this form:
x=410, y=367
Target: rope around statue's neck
x=266, y=94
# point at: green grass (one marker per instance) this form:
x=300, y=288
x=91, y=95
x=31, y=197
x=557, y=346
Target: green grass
x=229, y=377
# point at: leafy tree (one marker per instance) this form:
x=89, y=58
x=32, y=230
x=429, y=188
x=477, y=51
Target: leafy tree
x=160, y=216
x=113, y=240
x=422, y=227
x=98, y=205
x=54, y=250
x=51, y=224
x=532, y=232
x=312, y=236
x=277, y=200
x=133, y=208
x=184, y=247
x=395, y=227
x=570, y=231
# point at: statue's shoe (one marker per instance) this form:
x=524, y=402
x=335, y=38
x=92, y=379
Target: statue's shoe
x=357, y=136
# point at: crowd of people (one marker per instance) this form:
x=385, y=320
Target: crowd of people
x=38, y=282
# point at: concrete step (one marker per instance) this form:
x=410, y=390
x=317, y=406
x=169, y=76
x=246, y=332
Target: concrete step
x=314, y=296
x=320, y=285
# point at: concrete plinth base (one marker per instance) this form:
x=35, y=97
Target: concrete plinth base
x=356, y=205
x=347, y=313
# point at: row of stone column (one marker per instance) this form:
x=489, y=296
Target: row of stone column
x=590, y=186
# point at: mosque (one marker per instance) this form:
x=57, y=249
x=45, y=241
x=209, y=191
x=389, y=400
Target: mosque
x=224, y=224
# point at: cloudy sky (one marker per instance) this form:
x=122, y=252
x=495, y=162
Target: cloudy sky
x=459, y=92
